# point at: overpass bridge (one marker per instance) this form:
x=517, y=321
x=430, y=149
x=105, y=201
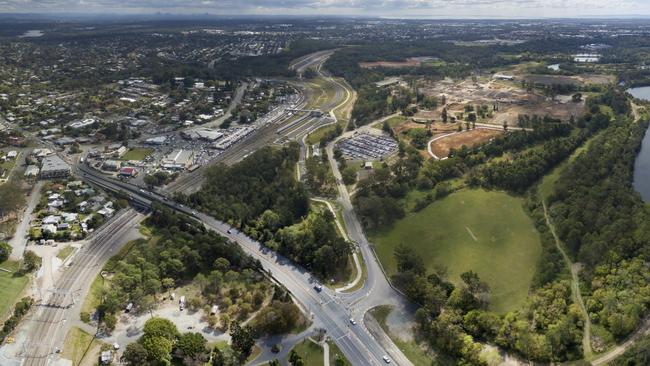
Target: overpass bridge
x=312, y=112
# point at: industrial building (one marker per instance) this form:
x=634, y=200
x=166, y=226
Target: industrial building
x=111, y=165
x=54, y=167
x=158, y=140
x=178, y=160
x=202, y=133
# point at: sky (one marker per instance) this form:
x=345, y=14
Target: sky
x=380, y=8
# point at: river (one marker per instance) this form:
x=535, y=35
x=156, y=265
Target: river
x=642, y=163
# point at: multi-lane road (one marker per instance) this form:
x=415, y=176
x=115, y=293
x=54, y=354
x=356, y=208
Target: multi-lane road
x=329, y=310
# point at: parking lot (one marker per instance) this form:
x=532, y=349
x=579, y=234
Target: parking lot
x=368, y=147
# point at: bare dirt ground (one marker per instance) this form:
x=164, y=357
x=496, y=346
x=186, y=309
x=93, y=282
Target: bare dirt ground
x=469, y=138
x=508, y=97
x=435, y=127
x=560, y=109
x=409, y=62
x=581, y=80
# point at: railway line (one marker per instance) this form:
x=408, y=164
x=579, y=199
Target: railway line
x=291, y=127
x=49, y=320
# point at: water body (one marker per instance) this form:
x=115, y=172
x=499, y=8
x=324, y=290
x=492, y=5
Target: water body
x=32, y=34
x=642, y=164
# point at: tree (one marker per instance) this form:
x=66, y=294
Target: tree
x=11, y=198
x=576, y=98
x=225, y=357
x=168, y=283
x=31, y=261
x=386, y=126
x=192, y=346
x=134, y=355
x=408, y=260
x=109, y=322
x=158, y=349
x=159, y=327
x=349, y=175
x=147, y=304
x=5, y=251
x=443, y=115
x=295, y=359
x=242, y=340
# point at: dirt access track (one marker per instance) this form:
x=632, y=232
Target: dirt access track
x=441, y=146
x=409, y=62
x=581, y=80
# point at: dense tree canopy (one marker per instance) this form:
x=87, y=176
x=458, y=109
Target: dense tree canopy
x=271, y=206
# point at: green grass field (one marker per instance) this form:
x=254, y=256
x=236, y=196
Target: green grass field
x=10, y=287
x=392, y=122
x=137, y=154
x=94, y=297
x=65, y=252
x=317, y=135
x=311, y=353
x=484, y=231
x=78, y=345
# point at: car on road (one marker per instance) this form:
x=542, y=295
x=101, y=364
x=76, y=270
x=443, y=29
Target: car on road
x=318, y=288
x=386, y=359
x=353, y=322
x=229, y=231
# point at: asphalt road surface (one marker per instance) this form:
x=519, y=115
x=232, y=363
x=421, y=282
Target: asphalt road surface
x=328, y=309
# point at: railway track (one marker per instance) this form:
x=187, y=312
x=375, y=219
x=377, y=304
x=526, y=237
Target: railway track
x=296, y=130
x=51, y=314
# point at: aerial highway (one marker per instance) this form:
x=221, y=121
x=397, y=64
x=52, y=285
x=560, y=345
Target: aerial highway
x=327, y=308
x=330, y=310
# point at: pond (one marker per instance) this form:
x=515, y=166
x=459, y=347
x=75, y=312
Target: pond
x=642, y=164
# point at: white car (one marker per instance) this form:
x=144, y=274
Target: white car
x=353, y=322
x=386, y=359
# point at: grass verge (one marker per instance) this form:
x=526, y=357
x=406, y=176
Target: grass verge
x=65, y=252
x=78, y=344
x=11, y=286
x=335, y=353
x=311, y=353
x=94, y=297
x=411, y=349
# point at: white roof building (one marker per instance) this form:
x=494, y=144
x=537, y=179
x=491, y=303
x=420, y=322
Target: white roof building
x=31, y=171
x=52, y=219
x=178, y=159
x=83, y=123
x=49, y=228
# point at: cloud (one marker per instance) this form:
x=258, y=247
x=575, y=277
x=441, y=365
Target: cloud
x=418, y=8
